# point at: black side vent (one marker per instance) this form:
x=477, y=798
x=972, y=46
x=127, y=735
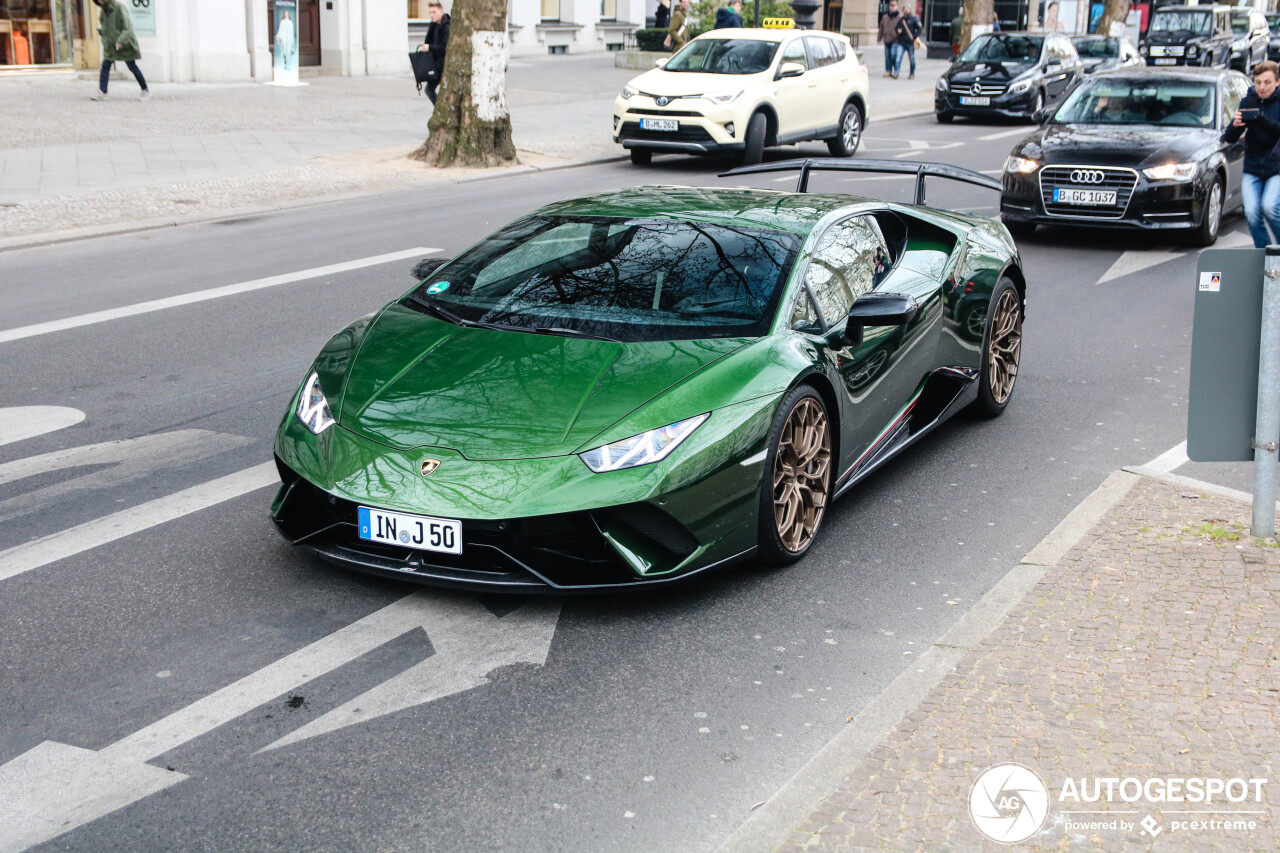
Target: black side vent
x=652, y=523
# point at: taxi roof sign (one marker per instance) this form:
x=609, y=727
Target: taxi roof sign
x=778, y=23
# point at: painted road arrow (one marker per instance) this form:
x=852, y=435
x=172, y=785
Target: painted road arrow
x=55, y=788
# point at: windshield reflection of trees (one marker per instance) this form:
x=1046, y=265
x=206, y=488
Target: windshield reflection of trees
x=630, y=279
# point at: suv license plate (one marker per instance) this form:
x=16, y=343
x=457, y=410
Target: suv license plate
x=1166, y=62
x=975, y=102
x=411, y=531
x=1095, y=197
x=659, y=124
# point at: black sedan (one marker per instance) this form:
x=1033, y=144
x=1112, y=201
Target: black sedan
x=1131, y=149
x=1008, y=74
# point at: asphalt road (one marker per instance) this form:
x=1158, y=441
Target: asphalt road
x=658, y=720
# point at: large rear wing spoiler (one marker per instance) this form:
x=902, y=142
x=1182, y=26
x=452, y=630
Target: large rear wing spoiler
x=832, y=164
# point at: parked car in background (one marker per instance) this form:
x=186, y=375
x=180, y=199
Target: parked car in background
x=1189, y=35
x=1099, y=53
x=1273, y=47
x=1252, y=39
x=744, y=90
x=1008, y=74
x=1132, y=148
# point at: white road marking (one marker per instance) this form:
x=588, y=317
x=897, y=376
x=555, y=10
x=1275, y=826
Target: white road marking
x=55, y=788
x=205, y=295
x=1172, y=458
x=91, y=534
x=1005, y=134
x=1137, y=260
x=19, y=422
x=129, y=460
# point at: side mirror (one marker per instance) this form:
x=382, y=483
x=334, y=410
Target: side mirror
x=790, y=69
x=878, y=309
x=427, y=266
x=661, y=63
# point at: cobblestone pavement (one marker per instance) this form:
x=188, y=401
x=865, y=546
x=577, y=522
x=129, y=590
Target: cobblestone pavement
x=1149, y=650
x=197, y=149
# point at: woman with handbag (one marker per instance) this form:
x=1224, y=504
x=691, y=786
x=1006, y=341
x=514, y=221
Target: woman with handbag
x=119, y=43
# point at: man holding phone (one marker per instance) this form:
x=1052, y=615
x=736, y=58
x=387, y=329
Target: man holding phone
x=1258, y=120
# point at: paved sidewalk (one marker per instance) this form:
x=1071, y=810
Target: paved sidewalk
x=1149, y=650
x=197, y=150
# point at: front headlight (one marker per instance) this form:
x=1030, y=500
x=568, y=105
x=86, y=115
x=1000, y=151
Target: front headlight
x=1192, y=51
x=1020, y=86
x=313, y=408
x=1143, y=50
x=722, y=97
x=1021, y=165
x=644, y=449
x=628, y=93
x=942, y=84
x=1172, y=172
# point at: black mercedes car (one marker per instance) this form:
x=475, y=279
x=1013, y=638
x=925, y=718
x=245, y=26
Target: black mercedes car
x=1189, y=35
x=1131, y=148
x=1008, y=74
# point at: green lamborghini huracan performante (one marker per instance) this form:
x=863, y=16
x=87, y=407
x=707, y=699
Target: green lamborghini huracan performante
x=634, y=387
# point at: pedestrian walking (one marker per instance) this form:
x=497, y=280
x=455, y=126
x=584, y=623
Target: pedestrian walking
x=437, y=39
x=119, y=44
x=908, y=29
x=957, y=30
x=662, y=17
x=729, y=16
x=889, y=35
x=678, y=29
x=1258, y=120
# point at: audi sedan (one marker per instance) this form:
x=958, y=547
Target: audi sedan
x=1132, y=149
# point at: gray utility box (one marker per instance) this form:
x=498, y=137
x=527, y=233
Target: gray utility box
x=1225, y=341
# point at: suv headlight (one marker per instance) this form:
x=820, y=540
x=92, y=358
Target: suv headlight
x=1192, y=51
x=643, y=449
x=313, y=408
x=722, y=97
x=1021, y=165
x=1172, y=172
x=1143, y=50
x=942, y=85
x=628, y=93
x=1020, y=86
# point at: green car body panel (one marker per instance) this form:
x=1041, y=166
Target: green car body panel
x=507, y=413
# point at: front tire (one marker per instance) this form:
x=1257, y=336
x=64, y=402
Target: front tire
x=1001, y=351
x=1211, y=219
x=641, y=156
x=944, y=118
x=845, y=144
x=797, y=481
x=1037, y=104
x=753, y=153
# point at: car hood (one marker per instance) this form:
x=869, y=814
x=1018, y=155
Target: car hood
x=489, y=394
x=1135, y=146
x=661, y=82
x=967, y=72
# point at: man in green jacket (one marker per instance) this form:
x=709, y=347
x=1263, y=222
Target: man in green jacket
x=119, y=42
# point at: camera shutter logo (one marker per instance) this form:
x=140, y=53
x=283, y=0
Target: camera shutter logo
x=1008, y=803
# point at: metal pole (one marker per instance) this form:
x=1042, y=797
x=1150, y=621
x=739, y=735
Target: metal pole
x=757, y=21
x=1267, y=429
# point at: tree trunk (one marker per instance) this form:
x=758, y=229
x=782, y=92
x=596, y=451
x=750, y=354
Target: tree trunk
x=976, y=12
x=1115, y=11
x=471, y=125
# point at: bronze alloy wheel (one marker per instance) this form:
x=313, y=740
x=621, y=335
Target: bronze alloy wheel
x=1006, y=346
x=802, y=474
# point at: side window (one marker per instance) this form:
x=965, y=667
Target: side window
x=805, y=317
x=819, y=51
x=844, y=266
x=794, y=52
x=839, y=47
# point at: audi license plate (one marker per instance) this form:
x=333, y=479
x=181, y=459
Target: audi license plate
x=1094, y=197
x=411, y=531
x=659, y=124
x=975, y=102
x=1166, y=62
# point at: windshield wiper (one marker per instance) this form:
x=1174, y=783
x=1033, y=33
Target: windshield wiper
x=570, y=333
x=449, y=316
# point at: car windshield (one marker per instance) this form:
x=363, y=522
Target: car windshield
x=1097, y=48
x=1003, y=48
x=724, y=56
x=1273, y=22
x=1194, y=23
x=641, y=279
x=1175, y=103
x=1239, y=24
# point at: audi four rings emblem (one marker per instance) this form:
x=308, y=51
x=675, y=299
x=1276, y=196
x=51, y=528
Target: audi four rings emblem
x=1087, y=176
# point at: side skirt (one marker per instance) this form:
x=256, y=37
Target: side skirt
x=942, y=393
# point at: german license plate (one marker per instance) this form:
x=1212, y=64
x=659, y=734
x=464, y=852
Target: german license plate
x=411, y=531
x=975, y=102
x=1094, y=197
x=1166, y=62
x=659, y=124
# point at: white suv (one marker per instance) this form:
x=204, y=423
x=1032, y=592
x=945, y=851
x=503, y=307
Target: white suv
x=743, y=90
